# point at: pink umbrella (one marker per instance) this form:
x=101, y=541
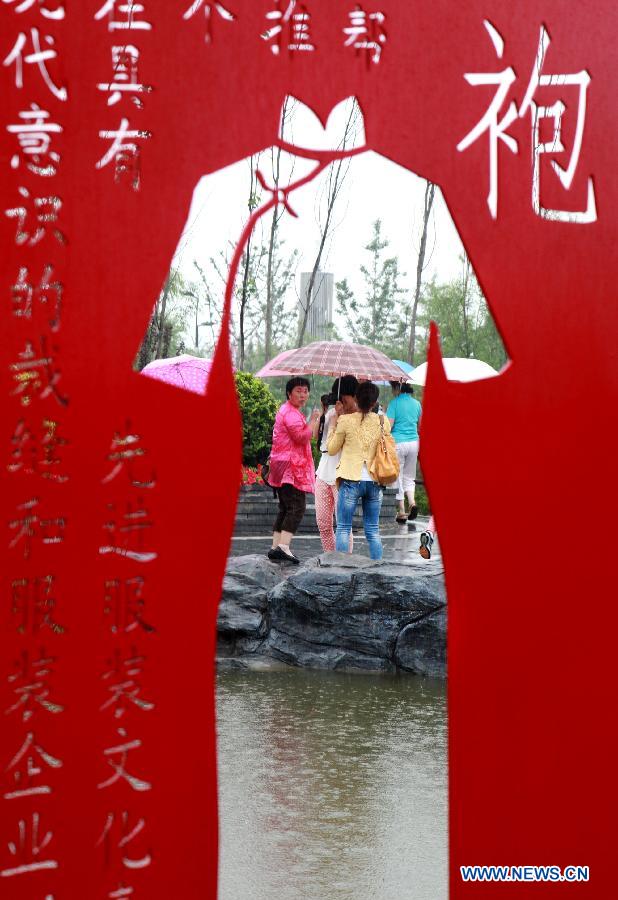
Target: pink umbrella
x=267, y=370
x=339, y=358
x=188, y=372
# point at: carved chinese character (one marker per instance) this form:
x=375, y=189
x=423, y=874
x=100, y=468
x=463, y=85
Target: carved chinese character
x=126, y=82
x=48, y=293
x=123, y=16
x=366, y=33
x=34, y=136
x=35, y=218
x=124, y=604
x=57, y=11
x=29, y=527
x=116, y=758
x=26, y=767
x=123, y=683
x=496, y=125
x=35, y=375
x=124, y=152
x=27, y=850
x=30, y=685
x=219, y=8
x=120, y=892
x=127, y=533
x=32, y=605
x=290, y=29
x=116, y=838
x=125, y=454
x=38, y=57
x=555, y=112
x=34, y=454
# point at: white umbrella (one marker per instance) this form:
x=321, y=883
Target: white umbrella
x=457, y=369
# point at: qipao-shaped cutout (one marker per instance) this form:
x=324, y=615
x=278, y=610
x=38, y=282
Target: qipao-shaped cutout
x=316, y=238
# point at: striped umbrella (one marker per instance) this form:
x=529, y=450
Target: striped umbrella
x=339, y=358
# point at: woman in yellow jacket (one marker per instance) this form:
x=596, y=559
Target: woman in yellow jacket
x=356, y=435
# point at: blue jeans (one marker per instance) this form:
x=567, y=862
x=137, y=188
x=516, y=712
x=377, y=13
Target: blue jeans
x=370, y=494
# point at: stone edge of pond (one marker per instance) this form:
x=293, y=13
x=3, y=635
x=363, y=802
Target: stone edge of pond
x=335, y=612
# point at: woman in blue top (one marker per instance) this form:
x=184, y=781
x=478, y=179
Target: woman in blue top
x=404, y=413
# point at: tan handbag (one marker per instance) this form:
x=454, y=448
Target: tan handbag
x=385, y=466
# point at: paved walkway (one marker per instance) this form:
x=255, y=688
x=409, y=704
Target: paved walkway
x=400, y=543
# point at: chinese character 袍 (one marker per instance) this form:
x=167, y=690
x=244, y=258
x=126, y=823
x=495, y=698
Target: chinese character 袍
x=127, y=534
x=125, y=452
x=124, y=152
x=27, y=850
x=38, y=57
x=126, y=78
x=123, y=683
x=32, y=454
x=29, y=683
x=290, y=30
x=124, y=602
x=36, y=376
x=24, y=5
x=117, y=834
x=26, y=766
x=366, y=33
x=496, y=124
x=123, y=16
x=47, y=292
x=34, y=138
x=30, y=526
x=45, y=212
x=219, y=8
x=119, y=767
x=32, y=605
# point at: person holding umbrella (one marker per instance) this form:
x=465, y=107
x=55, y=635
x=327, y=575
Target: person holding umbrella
x=404, y=412
x=291, y=467
x=356, y=435
x=343, y=396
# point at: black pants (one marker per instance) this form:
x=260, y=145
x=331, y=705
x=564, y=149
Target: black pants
x=292, y=505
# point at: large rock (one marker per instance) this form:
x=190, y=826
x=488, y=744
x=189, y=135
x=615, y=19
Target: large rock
x=335, y=612
x=244, y=599
x=421, y=646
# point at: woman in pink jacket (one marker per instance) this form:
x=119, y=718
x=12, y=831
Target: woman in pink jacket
x=291, y=467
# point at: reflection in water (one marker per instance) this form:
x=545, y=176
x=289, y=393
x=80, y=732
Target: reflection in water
x=331, y=786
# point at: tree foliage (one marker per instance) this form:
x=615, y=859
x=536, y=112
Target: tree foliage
x=163, y=336
x=258, y=408
x=375, y=319
x=463, y=318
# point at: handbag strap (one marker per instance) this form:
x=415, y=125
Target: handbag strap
x=381, y=438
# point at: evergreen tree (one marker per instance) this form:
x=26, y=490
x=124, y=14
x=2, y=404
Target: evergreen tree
x=377, y=319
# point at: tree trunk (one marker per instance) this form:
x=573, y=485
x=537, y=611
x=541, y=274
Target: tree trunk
x=334, y=188
x=245, y=277
x=161, y=319
x=316, y=266
x=430, y=190
x=268, y=312
x=464, y=300
x=145, y=350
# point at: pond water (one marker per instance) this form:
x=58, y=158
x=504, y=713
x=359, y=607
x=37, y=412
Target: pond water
x=331, y=786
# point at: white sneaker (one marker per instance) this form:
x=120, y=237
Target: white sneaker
x=426, y=542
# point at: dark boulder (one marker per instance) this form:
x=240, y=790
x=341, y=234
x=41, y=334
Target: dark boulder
x=421, y=646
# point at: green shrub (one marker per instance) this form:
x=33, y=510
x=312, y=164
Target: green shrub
x=258, y=408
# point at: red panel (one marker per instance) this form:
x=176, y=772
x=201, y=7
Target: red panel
x=526, y=539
